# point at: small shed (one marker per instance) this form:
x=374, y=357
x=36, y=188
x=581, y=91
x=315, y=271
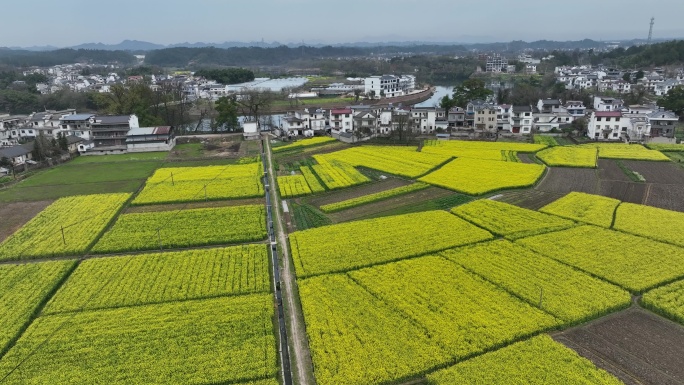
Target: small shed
x=250, y=130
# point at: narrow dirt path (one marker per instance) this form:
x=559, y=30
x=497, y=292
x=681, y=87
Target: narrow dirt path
x=302, y=357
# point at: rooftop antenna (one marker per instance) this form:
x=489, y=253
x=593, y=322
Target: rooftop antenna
x=650, y=31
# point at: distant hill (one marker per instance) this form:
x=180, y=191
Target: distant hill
x=126, y=45
x=141, y=46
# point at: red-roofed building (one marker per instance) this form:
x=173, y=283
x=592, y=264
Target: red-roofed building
x=341, y=120
x=614, y=126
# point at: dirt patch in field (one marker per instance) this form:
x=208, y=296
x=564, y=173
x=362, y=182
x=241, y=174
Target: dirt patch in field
x=631, y=192
x=657, y=172
x=355, y=192
x=565, y=180
x=376, y=208
x=15, y=215
x=609, y=170
x=194, y=205
x=636, y=346
x=529, y=199
x=665, y=196
x=526, y=158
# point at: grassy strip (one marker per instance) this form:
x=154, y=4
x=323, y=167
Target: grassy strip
x=307, y=217
x=633, y=175
x=354, y=202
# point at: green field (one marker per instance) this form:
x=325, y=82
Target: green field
x=22, y=290
x=164, y=277
x=184, y=228
x=177, y=343
x=82, y=177
x=538, y=361
x=132, y=157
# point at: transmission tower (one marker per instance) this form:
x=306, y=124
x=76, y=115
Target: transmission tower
x=650, y=31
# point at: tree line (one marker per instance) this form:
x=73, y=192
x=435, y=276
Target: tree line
x=227, y=75
x=19, y=58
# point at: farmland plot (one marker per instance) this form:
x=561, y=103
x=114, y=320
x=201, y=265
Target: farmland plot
x=509, y=221
x=635, y=263
x=293, y=186
x=667, y=300
x=185, y=228
x=357, y=244
x=403, y=161
x=163, y=277
x=431, y=290
x=336, y=174
x=22, y=289
x=556, y=288
x=477, y=177
x=592, y=209
x=178, y=343
x=189, y=184
x=650, y=222
x=478, y=150
x=356, y=338
x=537, y=361
x=66, y=227
x=569, y=156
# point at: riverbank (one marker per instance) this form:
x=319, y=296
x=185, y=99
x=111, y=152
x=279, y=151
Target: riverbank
x=407, y=100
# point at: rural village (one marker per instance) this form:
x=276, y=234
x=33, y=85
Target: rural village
x=409, y=214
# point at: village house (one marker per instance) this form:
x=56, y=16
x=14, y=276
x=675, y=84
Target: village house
x=616, y=126
x=149, y=139
x=341, y=120
x=663, y=123
x=521, y=120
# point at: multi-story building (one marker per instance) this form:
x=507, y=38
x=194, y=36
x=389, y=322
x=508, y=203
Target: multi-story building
x=521, y=119
x=503, y=118
x=496, y=63
x=341, y=120
x=663, y=123
x=616, y=126
x=77, y=125
x=550, y=106
x=389, y=85
x=9, y=129
x=366, y=121
x=575, y=108
x=602, y=103
x=456, y=117
x=424, y=119
x=484, y=115
x=110, y=132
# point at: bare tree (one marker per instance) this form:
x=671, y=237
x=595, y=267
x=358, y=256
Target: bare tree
x=254, y=103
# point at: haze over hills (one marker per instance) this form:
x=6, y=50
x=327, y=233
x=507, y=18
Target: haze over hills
x=472, y=42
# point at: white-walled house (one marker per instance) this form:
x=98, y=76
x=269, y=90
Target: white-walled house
x=341, y=120
x=521, y=120
x=150, y=139
x=9, y=129
x=550, y=106
x=424, y=118
x=389, y=85
x=616, y=126
x=602, y=103
x=575, y=108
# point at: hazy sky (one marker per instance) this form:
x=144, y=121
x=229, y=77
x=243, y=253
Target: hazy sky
x=71, y=22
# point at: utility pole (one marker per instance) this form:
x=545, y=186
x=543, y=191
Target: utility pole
x=650, y=31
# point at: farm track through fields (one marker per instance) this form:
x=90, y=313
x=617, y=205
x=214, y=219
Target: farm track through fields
x=302, y=363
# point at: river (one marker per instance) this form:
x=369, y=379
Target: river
x=440, y=91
